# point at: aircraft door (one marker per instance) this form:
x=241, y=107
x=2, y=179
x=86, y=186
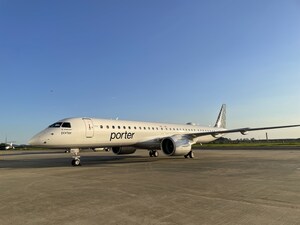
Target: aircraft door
x=89, y=128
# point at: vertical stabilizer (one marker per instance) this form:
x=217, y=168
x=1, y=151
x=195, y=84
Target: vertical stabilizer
x=221, y=121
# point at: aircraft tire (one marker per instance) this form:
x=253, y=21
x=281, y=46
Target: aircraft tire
x=76, y=162
x=191, y=155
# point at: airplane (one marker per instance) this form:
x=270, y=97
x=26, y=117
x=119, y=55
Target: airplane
x=7, y=146
x=125, y=137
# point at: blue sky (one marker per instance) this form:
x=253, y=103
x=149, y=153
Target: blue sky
x=168, y=61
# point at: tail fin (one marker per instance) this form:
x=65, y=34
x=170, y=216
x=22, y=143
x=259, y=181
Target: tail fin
x=221, y=121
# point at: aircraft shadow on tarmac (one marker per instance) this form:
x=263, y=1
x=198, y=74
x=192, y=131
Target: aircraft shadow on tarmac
x=44, y=161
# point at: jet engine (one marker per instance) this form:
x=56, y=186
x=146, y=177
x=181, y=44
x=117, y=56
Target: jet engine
x=123, y=150
x=176, y=146
x=217, y=135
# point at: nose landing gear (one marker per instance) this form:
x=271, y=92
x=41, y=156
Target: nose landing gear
x=76, y=157
x=76, y=162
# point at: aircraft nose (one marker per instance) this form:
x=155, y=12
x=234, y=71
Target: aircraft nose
x=35, y=141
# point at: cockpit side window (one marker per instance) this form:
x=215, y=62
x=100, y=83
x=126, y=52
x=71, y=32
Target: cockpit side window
x=66, y=125
x=56, y=125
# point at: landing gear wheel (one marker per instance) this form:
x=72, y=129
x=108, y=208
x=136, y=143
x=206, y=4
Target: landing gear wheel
x=150, y=153
x=76, y=157
x=191, y=155
x=76, y=162
x=153, y=153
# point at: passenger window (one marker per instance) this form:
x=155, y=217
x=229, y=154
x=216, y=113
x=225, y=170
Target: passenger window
x=113, y=127
x=124, y=127
x=107, y=127
x=101, y=126
x=129, y=127
x=119, y=127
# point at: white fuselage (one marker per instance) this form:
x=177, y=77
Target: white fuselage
x=96, y=133
x=125, y=137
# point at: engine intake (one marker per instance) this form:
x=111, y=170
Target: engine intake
x=176, y=146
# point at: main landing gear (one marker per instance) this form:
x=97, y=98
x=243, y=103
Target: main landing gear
x=190, y=155
x=76, y=157
x=153, y=153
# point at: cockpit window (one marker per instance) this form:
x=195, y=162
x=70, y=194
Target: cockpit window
x=61, y=124
x=55, y=125
x=66, y=125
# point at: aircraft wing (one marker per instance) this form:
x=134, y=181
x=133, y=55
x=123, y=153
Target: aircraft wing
x=240, y=130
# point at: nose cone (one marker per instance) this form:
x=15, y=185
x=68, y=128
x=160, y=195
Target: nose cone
x=37, y=140
x=34, y=141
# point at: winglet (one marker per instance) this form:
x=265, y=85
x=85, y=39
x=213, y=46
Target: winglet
x=221, y=121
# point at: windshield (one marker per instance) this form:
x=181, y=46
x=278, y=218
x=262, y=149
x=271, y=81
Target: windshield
x=56, y=124
x=66, y=125
x=61, y=124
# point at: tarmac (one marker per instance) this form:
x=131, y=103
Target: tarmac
x=217, y=187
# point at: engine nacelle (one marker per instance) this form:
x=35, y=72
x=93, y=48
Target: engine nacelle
x=244, y=132
x=217, y=135
x=176, y=145
x=123, y=150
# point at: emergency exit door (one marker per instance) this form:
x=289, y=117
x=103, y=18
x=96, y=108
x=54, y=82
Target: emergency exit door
x=89, y=128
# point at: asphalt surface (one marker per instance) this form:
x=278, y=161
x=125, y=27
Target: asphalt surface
x=217, y=187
